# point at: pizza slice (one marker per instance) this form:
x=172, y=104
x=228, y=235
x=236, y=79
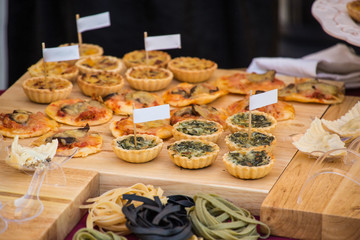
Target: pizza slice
x=25, y=124
x=185, y=94
x=312, y=91
x=243, y=82
x=122, y=102
x=79, y=112
x=125, y=126
x=280, y=111
x=87, y=142
x=198, y=112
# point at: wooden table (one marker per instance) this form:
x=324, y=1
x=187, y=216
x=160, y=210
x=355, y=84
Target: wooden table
x=162, y=172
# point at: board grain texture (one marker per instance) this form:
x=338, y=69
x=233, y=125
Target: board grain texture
x=161, y=172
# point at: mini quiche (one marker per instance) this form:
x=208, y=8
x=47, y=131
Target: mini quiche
x=192, y=69
x=54, y=69
x=193, y=154
x=197, y=129
x=100, y=84
x=87, y=49
x=248, y=164
x=348, y=125
x=148, y=78
x=259, y=121
x=258, y=141
x=146, y=147
x=138, y=57
x=99, y=64
x=47, y=90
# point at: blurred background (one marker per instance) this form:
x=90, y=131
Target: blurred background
x=230, y=32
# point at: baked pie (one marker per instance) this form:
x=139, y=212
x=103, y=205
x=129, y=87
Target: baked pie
x=87, y=49
x=259, y=121
x=193, y=154
x=100, y=84
x=248, y=164
x=192, y=69
x=138, y=57
x=197, y=129
x=62, y=69
x=146, y=148
x=99, y=64
x=148, y=78
x=258, y=140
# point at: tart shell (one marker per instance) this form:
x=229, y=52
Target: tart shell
x=138, y=156
x=46, y=95
x=214, y=137
x=148, y=84
x=235, y=128
x=91, y=89
x=245, y=172
x=191, y=76
x=195, y=162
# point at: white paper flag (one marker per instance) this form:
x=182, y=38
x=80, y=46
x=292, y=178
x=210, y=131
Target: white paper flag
x=93, y=22
x=61, y=53
x=151, y=113
x=162, y=42
x=263, y=99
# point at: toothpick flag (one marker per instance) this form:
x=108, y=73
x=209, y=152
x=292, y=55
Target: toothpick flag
x=61, y=53
x=263, y=99
x=93, y=22
x=162, y=42
x=151, y=113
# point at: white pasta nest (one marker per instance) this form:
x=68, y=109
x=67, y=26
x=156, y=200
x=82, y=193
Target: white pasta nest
x=348, y=125
x=317, y=141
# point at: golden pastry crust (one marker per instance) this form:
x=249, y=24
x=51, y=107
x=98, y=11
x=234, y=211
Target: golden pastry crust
x=133, y=155
x=87, y=49
x=138, y=57
x=40, y=91
x=99, y=64
x=192, y=69
x=100, y=84
x=260, y=140
x=248, y=170
x=260, y=121
x=203, y=153
x=353, y=9
x=197, y=129
x=54, y=69
x=148, y=78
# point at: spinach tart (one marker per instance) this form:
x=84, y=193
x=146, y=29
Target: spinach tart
x=248, y=164
x=197, y=129
x=258, y=141
x=259, y=121
x=193, y=154
x=146, y=149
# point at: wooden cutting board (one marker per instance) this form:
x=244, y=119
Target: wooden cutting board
x=61, y=203
x=162, y=172
x=331, y=205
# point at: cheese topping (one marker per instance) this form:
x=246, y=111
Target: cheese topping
x=31, y=157
x=249, y=159
x=103, y=79
x=50, y=83
x=53, y=68
x=189, y=63
x=148, y=73
x=138, y=57
x=197, y=127
x=79, y=107
x=101, y=63
x=190, y=149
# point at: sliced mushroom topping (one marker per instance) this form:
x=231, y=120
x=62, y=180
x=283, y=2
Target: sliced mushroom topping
x=69, y=136
x=20, y=116
x=268, y=76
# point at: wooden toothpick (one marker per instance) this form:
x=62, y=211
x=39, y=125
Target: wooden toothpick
x=249, y=127
x=79, y=33
x=44, y=63
x=135, y=141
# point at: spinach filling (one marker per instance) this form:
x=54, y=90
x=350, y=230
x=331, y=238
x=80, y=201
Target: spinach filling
x=249, y=159
x=190, y=149
x=257, y=139
x=257, y=121
x=141, y=143
x=197, y=128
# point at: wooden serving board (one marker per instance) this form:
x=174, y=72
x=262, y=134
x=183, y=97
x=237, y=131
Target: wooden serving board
x=331, y=205
x=61, y=203
x=162, y=172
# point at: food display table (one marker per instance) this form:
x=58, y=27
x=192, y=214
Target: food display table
x=110, y=172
